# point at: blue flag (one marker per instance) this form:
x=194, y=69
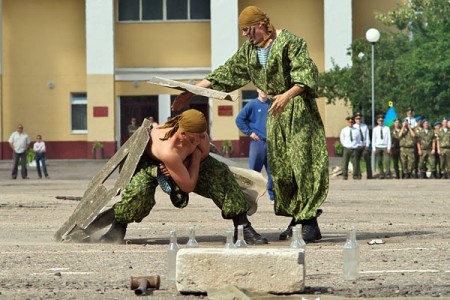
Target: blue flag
x=390, y=117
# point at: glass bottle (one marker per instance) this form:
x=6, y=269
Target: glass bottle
x=351, y=256
x=297, y=239
x=240, y=242
x=192, y=243
x=229, y=243
x=172, y=256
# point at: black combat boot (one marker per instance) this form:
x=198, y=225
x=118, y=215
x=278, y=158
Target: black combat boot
x=433, y=175
x=423, y=175
x=250, y=235
x=446, y=176
x=285, y=235
x=311, y=230
x=115, y=234
x=103, y=219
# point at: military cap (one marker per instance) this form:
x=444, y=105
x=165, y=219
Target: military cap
x=409, y=109
x=445, y=118
x=418, y=118
x=357, y=115
x=437, y=123
x=425, y=120
x=349, y=118
x=380, y=117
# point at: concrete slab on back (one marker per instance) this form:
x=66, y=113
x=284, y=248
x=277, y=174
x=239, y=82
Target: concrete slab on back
x=266, y=270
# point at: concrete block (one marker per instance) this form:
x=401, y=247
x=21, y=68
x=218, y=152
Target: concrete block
x=269, y=270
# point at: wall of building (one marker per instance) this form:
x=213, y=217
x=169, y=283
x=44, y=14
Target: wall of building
x=44, y=60
x=43, y=41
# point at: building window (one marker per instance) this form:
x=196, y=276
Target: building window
x=248, y=96
x=78, y=105
x=163, y=10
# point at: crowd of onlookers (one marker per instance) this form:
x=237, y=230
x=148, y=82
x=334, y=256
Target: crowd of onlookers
x=415, y=146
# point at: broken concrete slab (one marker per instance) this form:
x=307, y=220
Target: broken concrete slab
x=269, y=270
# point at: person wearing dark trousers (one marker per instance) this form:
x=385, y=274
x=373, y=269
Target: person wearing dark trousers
x=364, y=147
x=381, y=146
x=350, y=139
x=19, y=141
x=251, y=121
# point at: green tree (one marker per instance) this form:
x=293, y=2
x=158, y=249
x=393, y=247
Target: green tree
x=412, y=64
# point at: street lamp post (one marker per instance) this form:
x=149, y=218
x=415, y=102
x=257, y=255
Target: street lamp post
x=373, y=35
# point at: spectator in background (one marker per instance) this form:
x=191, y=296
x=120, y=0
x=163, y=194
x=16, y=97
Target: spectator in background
x=19, y=142
x=350, y=139
x=426, y=148
x=410, y=117
x=132, y=127
x=395, y=146
x=153, y=123
x=252, y=120
x=407, y=145
x=364, y=146
x=381, y=146
x=40, y=149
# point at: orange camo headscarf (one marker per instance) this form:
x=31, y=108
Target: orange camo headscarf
x=191, y=120
x=253, y=15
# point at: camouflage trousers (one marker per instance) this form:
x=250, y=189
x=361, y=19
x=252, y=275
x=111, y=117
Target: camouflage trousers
x=298, y=159
x=215, y=181
x=427, y=156
x=445, y=160
x=407, y=157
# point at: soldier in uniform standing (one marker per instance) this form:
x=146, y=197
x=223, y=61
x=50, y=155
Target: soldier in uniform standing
x=350, y=139
x=364, y=145
x=417, y=129
x=381, y=146
x=437, y=161
x=407, y=144
x=443, y=148
x=426, y=148
x=395, y=147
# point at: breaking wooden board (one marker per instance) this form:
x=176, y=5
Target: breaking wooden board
x=193, y=89
x=96, y=195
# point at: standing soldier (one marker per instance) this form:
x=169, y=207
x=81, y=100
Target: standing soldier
x=407, y=144
x=426, y=148
x=437, y=128
x=443, y=148
x=395, y=147
x=417, y=130
x=381, y=146
x=364, y=145
x=350, y=140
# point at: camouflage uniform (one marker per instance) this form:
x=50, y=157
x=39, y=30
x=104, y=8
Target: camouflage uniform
x=297, y=151
x=215, y=181
x=395, y=150
x=407, y=144
x=444, y=145
x=426, y=141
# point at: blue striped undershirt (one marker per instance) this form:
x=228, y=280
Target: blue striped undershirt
x=263, y=55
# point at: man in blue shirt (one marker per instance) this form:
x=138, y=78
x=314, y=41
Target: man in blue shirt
x=251, y=120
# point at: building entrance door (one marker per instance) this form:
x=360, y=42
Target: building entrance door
x=138, y=107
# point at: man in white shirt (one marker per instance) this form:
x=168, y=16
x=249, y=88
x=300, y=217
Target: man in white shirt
x=364, y=145
x=19, y=142
x=350, y=139
x=381, y=147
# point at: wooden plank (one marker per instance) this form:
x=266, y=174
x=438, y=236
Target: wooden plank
x=192, y=88
x=96, y=195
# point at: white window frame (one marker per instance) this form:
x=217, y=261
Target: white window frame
x=77, y=101
x=164, y=19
